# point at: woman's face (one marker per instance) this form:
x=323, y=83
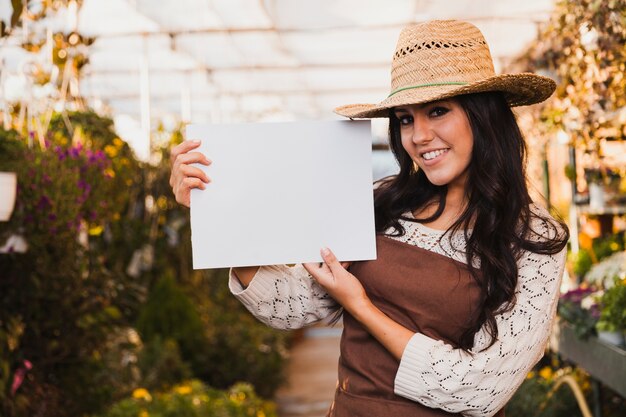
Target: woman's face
x=438, y=138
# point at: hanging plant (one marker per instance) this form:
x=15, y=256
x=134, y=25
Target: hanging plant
x=582, y=46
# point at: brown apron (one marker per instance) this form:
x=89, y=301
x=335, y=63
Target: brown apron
x=425, y=292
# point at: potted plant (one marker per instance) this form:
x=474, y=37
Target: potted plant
x=8, y=185
x=579, y=310
x=595, y=184
x=10, y=151
x=612, y=323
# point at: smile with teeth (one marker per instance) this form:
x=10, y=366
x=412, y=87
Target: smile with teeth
x=433, y=154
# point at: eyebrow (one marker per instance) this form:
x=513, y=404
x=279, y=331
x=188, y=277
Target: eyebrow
x=422, y=105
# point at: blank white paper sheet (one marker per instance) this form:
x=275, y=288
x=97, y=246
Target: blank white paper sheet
x=279, y=192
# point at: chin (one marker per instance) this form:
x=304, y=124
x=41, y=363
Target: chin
x=438, y=181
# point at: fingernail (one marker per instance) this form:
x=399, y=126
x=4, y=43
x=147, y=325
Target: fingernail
x=196, y=141
x=325, y=251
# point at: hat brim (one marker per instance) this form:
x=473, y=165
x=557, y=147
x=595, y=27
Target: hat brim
x=519, y=90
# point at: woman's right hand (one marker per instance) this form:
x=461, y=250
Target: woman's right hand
x=184, y=177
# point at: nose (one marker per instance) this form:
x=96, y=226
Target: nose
x=422, y=132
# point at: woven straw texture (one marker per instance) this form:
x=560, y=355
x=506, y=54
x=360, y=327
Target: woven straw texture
x=445, y=58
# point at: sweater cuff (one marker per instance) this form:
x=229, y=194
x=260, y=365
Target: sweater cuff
x=258, y=289
x=415, y=360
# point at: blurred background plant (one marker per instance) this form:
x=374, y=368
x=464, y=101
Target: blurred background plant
x=104, y=299
x=194, y=399
x=582, y=47
x=538, y=397
x=579, y=308
x=97, y=294
x=613, y=307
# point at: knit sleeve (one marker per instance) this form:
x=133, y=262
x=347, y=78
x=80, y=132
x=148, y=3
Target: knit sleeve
x=481, y=383
x=284, y=297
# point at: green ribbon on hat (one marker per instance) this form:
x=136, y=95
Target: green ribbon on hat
x=424, y=85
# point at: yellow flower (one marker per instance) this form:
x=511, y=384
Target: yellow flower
x=118, y=142
x=142, y=394
x=183, y=389
x=144, y=413
x=530, y=375
x=162, y=202
x=95, y=231
x=546, y=373
x=111, y=151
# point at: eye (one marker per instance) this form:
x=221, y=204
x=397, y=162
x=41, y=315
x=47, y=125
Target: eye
x=405, y=119
x=437, y=111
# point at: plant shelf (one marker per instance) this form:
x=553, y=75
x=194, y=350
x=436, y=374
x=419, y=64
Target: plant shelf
x=604, y=362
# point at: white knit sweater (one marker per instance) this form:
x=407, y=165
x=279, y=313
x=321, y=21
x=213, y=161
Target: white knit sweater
x=431, y=372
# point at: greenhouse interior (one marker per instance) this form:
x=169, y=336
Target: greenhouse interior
x=104, y=310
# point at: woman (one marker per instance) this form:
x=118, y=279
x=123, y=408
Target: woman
x=458, y=306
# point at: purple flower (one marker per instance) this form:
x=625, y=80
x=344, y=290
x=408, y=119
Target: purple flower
x=83, y=185
x=576, y=295
x=76, y=150
x=61, y=153
x=52, y=217
x=44, y=203
x=594, y=311
x=92, y=158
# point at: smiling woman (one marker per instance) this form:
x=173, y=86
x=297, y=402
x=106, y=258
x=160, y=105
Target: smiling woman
x=459, y=304
x=438, y=138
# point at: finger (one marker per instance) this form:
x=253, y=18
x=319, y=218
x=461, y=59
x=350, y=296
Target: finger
x=346, y=264
x=191, y=158
x=189, y=183
x=331, y=260
x=320, y=273
x=310, y=267
x=194, y=172
x=184, y=147
x=183, y=198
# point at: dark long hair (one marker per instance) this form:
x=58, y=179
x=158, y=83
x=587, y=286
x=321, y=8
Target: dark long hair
x=498, y=208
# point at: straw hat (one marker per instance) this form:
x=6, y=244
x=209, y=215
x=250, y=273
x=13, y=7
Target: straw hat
x=445, y=58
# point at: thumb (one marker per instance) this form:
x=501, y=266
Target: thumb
x=331, y=260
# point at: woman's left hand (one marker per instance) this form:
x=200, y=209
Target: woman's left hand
x=344, y=287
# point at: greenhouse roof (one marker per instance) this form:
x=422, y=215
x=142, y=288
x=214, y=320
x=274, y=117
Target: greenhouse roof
x=252, y=60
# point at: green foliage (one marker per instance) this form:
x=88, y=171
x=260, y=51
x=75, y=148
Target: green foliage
x=613, y=307
x=582, y=262
x=599, y=249
x=161, y=364
x=583, y=46
x=608, y=245
x=532, y=398
x=12, y=150
x=194, y=399
x=570, y=309
x=60, y=293
x=533, y=393
x=104, y=231
x=170, y=315
x=245, y=348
